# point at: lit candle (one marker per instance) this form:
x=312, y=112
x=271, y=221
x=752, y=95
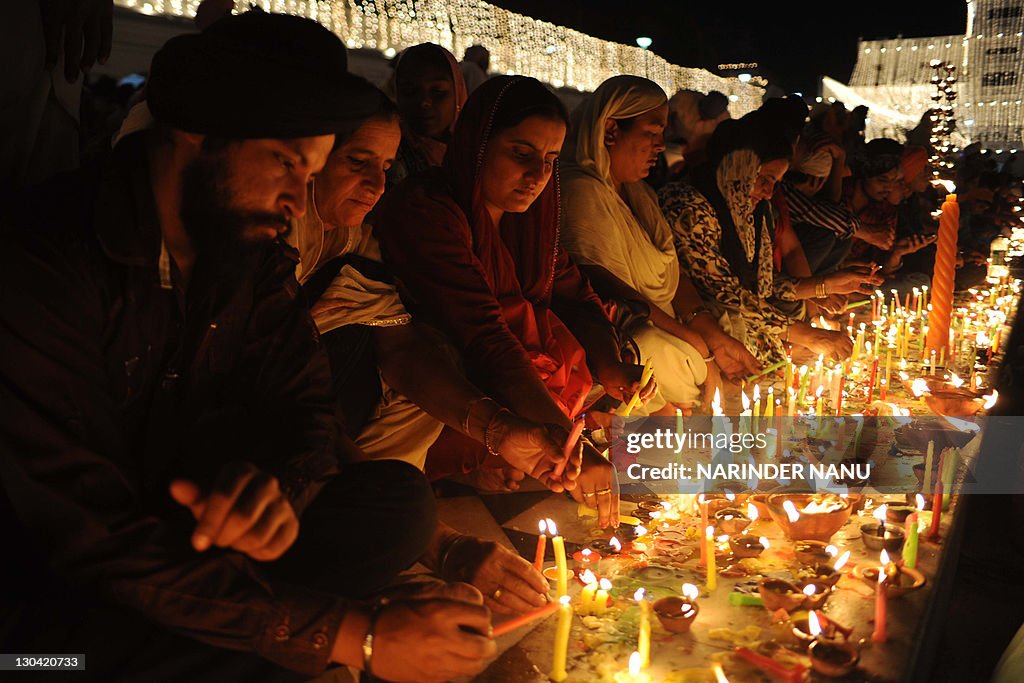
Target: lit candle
x=778, y=428
x=558, y=545
x=769, y=408
x=880, y=634
x=635, y=674
x=756, y=420
x=600, y=603
x=709, y=542
x=558, y=672
x=542, y=544
x=888, y=372
x=643, y=644
x=589, y=590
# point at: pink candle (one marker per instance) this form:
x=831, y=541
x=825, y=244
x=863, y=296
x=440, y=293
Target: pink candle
x=524, y=619
x=880, y=634
x=933, y=530
x=570, y=446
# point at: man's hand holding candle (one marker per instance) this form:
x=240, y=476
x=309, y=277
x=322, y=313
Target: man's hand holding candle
x=245, y=510
x=534, y=449
x=509, y=583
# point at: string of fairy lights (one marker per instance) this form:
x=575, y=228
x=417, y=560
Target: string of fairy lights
x=893, y=78
x=942, y=119
x=559, y=56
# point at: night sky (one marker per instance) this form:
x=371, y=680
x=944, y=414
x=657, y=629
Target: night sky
x=794, y=42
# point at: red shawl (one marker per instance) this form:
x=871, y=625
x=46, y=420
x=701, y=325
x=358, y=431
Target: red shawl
x=490, y=288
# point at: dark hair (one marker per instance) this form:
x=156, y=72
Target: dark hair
x=530, y=100
x=380, y=108
x=424, y=54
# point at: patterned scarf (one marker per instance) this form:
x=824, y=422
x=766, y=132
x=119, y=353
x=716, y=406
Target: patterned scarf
x=735, y=177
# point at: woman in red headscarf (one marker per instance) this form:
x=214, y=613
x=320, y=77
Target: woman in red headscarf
x=475, y=245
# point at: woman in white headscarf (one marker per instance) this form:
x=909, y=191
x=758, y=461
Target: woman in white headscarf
x=615, y=231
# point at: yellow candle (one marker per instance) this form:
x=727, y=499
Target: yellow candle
x=600, y=603
x=769, y=410
x=643, y=644
x=709, y=540
x=587, y=595
x=558, y=672
x=558, y=545
x=634, y=401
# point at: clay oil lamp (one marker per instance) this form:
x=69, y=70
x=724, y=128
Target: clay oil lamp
x=826, y=573
x=807, y=628
x=814, y=552
x=747, y=545
x=760, y=503
x=676, y=613
x=779, y=594
x=831, y=658
x=882, y=536
x=816, y=594
x=899, y=580
x=611, y=546
x=804, y=516
x=586, y=558
x=731, y=520
x=898, y=513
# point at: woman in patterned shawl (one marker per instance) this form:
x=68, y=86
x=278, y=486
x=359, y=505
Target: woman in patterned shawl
x=723, y=230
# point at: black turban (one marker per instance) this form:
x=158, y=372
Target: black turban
x=257, y=75
x=879, y=156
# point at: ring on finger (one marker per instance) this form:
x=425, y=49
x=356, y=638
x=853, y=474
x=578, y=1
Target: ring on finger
x=496, y=594
x=588, y=493
x=603, y=492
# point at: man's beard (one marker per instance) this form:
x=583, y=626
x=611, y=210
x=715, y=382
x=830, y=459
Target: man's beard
x=218, y=230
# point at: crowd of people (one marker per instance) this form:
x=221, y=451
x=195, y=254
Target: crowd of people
x=241, y=342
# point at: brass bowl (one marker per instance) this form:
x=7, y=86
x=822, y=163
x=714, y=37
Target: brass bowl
x=676, y=614
x=832, y=658
x=907, y=580
x=892, y=542
x=814, y=527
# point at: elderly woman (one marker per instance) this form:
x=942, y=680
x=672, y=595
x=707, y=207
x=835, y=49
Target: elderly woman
x=723, y=232
x=615, y=230
x=430, y=91
x=396, y=389
x=476, y=246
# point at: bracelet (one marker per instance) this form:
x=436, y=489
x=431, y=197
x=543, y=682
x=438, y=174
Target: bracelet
x=821, y=289
x=694, y=313
x=709, y=359
x=469, y=411
x=368, y=640
x=491, y=448
x=445, y=554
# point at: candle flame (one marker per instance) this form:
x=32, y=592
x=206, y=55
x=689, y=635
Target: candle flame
x=639, y=595
x=588, y=577
x=757, y=392
x=719, y=674
x=832, y=550
x=752, y=512
x=764, y=541
x=690, y=591
x=724, y=538
x=605, y=585
x=920, y=502
x=791, y=511
x=543, y=526
x=949, y=185
x=565, y=599
x=716, y=403
x=813, y=624
x=709, y=532
x=904, y=376
x=879, y=514
x=810, y=589
x=843, y=559
x=551, y=527
x=743, y=397
x=956, y=381
x=640, y=530
x=730, y=496
x=919, y=387
x=991, y=399
x=635, y=663
x=615, y=543
x=884, y=558
x=818, y=392
x=586, y=553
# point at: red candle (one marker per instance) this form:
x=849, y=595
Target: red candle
x=570, y=446
x=880, y=634
x=542, y=544
x=839, y=394
x=874, y=374
x=703, y=525
x=797, y=674
x=933, y=530
x=778, y=429
x=524, y=619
